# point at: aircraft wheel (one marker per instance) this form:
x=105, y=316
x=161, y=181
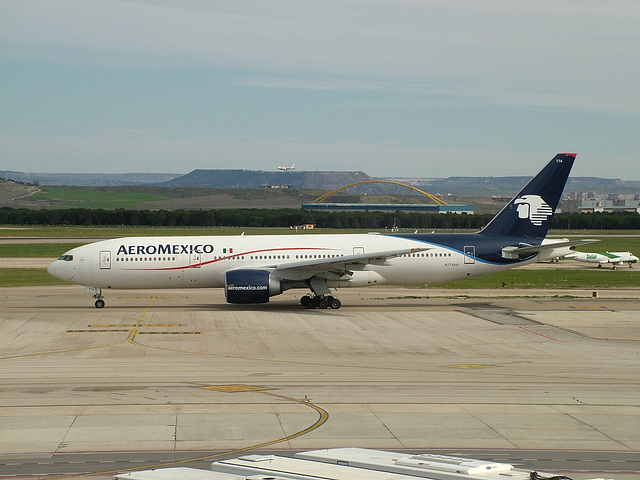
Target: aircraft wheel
x=99, y=303
x=614, y=267
x=307, y=302
x=323, y=303
x=334, y=303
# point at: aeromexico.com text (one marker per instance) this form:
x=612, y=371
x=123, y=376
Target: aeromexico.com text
x=164, y=249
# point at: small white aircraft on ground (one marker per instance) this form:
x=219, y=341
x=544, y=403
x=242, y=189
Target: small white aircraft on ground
x=253, y=268
x=614, y=258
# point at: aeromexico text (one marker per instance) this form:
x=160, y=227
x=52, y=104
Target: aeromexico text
x=165, y=249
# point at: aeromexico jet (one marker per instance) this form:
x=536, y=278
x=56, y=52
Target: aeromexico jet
x=253, y=268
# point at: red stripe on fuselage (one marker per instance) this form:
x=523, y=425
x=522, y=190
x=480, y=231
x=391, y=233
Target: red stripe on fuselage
x=225, y=257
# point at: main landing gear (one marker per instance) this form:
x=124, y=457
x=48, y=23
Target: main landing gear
x=320, y=301
x=321, y=295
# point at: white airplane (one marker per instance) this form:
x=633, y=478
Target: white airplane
x=285, y=168
x=253, y=268
x=615, y=258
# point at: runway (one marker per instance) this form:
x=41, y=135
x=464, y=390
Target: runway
x=182, y=375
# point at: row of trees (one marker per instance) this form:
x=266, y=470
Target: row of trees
x=290, y=217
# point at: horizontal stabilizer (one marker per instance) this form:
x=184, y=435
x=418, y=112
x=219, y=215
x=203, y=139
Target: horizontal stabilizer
x=523, y=250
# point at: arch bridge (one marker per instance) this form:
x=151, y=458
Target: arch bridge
x=438, y=201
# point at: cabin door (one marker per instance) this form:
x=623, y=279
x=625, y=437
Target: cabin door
x=105, y=260
x=470, y=254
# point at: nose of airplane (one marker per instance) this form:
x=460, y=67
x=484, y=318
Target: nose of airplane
x=53, y=269
x=63, y=268
x=60, y=269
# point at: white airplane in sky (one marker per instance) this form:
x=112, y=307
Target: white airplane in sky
x=285, y=168
x=615, y=258
x=253, y=268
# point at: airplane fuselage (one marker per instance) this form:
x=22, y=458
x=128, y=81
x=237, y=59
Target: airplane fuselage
x=615, y=258
x=202, y=261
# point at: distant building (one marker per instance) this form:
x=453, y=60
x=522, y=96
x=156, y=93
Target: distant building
x=306, y=226
x=388, y=207
x=609, y=206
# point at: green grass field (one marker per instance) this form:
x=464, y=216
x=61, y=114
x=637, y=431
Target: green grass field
x=139, y=197
x=35, y=250
x=23, y=277
x=91, y=198
x=617, y=242
x=593, y=278
x=124, y=231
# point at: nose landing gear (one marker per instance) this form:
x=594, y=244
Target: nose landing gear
x=97, y=294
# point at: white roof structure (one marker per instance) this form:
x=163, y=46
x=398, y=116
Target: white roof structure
x=344, y=464
x=425, y=465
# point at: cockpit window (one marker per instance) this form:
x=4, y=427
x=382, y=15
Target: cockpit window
x=66, y=258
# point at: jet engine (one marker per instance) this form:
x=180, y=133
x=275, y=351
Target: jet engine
x=251, y=286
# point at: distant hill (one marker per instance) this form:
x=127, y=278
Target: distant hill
x=88, y=179
x=259, y=178
x=491, y=186
x=602, y=185
x=316, y=180
x=13, y=194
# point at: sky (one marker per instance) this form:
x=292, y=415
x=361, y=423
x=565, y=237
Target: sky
x=395, y=88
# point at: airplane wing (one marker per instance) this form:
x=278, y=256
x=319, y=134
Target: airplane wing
x=614, y=259
x=339, y=266
x=524, y=250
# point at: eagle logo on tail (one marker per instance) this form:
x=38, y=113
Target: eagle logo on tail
x=534, y=208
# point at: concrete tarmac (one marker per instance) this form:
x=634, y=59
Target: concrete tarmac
x=181, y=370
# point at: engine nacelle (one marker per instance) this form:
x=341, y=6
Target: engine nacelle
x=250, y=286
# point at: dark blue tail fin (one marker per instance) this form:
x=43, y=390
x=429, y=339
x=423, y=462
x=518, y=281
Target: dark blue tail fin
x=529, y=213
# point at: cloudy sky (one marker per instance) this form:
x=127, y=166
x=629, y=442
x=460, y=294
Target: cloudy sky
x=405, y=88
